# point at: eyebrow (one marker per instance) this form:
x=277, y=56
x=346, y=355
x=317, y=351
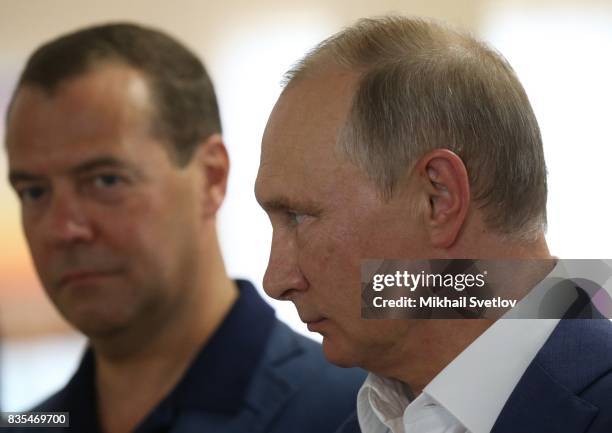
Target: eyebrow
x=285, y=204
x=16, y=176
x=275, y=204
x=101, y=162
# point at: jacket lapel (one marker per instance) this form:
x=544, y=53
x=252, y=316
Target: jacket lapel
x=540, y=404
x=546, y=398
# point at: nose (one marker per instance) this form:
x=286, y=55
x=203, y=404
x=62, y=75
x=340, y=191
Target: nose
x=66, y=221
x=283, y=277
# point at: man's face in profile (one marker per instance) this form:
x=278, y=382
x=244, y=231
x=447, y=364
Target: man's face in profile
x=109, y=219
x=327, y=216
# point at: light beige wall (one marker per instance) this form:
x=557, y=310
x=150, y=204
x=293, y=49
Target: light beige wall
x=24, y=24
x=206, y=26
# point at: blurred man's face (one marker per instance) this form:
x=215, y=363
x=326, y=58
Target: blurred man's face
x=111, y=222
x=326, y=217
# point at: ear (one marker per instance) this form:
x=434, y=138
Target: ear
x=213, y=163
x=446, y=183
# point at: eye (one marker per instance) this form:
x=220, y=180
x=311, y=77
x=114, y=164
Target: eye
x=297, y=218
x=31, y=194
x=106, y=180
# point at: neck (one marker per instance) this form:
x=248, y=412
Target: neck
x=152, y=358
x=430, y=345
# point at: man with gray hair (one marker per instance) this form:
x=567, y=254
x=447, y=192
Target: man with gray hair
x=402, y=138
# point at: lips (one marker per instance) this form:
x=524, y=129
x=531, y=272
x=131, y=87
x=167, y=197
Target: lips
x=310, y=316
x=315, y=323
x=315, y=326
x=313, y=320
x=83, y=276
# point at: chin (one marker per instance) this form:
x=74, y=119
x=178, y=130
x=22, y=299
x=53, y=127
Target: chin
x=339, y=353
x=97, y=327
x=94, y=321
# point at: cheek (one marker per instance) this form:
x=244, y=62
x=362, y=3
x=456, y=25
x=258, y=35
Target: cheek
x=326, y=247
x=41, y=249
x=127, y=232
x=32, y=228
x=158, y=233
x=143, y=222
x=33, y=239
x=42, y=258
x=329, y=257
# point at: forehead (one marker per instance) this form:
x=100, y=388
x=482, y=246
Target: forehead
x=99, y=109
x=300, y=138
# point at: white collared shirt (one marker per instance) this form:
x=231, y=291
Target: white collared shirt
x=468, y=395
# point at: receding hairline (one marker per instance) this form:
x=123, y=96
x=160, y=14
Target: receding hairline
x=478, y=100
x=143, y=102
x=93, y=66
x=181, y=90
x=340, y=50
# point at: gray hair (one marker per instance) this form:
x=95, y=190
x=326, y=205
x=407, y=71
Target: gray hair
x=425, y=86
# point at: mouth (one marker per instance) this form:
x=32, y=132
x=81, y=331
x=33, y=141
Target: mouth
x=87, y=276
x=316, y=324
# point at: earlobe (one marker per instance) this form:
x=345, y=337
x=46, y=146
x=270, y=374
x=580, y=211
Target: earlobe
x=447, y=187
x=213, y=163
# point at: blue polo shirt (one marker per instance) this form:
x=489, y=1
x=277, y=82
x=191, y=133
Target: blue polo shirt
x=216, y=381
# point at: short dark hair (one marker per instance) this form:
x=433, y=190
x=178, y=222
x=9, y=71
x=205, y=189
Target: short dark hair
x=183, y=94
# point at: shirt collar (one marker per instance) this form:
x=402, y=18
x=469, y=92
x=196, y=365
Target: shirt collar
x=381, y=403
x=493, y=364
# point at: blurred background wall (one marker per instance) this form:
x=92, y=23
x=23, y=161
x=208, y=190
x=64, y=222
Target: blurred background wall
x=560, y=50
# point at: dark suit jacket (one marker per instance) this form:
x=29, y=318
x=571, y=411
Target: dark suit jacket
x=567, y=388
x=264, y=378
x=293, y=390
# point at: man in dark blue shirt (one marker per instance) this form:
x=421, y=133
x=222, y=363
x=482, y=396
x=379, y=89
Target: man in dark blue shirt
x=115, y=151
